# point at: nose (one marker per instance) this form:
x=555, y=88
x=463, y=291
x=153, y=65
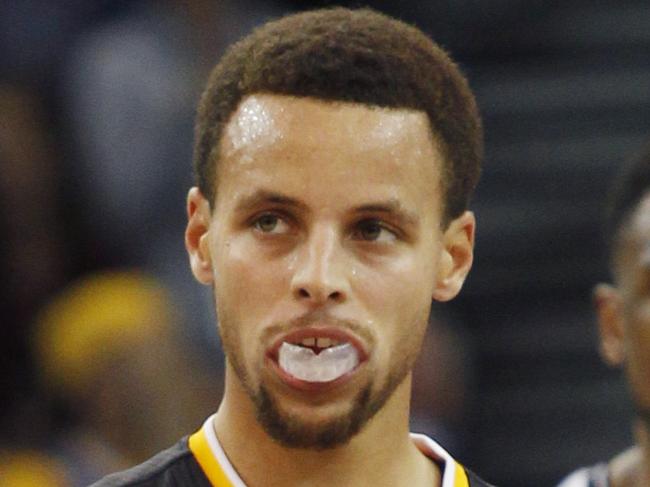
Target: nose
x=319, y=277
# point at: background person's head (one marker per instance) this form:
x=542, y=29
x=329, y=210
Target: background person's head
x=624, y=307
x=109, y=350
x=31, y=468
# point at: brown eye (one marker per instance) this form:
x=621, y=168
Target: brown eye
x=373, y=231
x=270, y=223
x=369, y=230
x=266, y=223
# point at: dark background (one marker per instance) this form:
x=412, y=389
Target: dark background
x=564, y=89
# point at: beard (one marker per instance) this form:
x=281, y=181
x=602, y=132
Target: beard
x=292, y=430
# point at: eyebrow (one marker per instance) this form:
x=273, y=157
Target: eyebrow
x=392, y=207
x=262, y=196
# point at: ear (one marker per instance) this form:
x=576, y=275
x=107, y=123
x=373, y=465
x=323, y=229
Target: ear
x=456, y=258
x=611, y=324
x=197, y=236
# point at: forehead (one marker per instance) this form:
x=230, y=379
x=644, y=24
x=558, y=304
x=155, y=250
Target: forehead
x=261, y=117
x=279, y=128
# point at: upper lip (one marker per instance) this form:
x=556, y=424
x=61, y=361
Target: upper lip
x=336, y=333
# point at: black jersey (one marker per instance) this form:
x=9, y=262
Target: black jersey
x=175, y=466
x=199, y=461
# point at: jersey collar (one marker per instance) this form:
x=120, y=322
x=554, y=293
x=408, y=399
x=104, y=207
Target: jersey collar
x=217, y=468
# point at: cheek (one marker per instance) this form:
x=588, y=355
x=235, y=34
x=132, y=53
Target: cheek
x=246, y=276
x=395, y=288
x=638, y=353
x=397, y=297
x=638, y=363
x=248, y=286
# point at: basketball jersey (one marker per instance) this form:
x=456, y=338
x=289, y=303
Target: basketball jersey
x=201, y=461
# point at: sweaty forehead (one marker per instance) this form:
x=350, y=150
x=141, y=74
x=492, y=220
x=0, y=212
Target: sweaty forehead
x=315, y=149
x=263, y=119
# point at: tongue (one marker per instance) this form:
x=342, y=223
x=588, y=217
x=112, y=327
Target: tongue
x=329, y=364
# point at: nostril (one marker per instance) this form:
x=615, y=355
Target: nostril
x=316, y=294
x=336, y=295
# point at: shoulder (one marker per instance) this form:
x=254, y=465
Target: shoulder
x=454, y=473
x=171, y=467
x=594, y=476
x=474, y=480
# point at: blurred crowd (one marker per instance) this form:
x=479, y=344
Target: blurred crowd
x=108, y=351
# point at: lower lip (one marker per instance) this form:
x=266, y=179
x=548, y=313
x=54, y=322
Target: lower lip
x=306, y=386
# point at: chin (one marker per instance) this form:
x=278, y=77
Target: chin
x=319, y=429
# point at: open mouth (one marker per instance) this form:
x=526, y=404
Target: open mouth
x=316, y=358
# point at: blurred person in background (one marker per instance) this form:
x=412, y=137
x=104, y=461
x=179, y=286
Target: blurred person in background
x=109, y=350
x=623, y=310
x=31, y=468
x=34, y=254
x=336, y=152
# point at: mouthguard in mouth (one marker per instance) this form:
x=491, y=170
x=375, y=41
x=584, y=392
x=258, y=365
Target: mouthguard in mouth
x=322, y=365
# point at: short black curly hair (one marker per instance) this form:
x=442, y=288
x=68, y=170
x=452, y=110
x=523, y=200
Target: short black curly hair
x=359, y=56
x=631, y=185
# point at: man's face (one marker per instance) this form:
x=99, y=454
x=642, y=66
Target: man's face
x=325, y=248
x=633, y=272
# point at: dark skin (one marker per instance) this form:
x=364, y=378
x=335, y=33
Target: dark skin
x=624, y=325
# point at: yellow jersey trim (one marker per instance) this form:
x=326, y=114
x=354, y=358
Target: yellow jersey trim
x=215, y=465
x=201, y=450
x=460, y=479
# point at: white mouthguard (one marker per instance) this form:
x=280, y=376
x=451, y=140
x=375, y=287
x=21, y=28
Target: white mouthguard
x=331, y=363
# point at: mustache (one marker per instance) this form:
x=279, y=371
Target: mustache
x=320, y=317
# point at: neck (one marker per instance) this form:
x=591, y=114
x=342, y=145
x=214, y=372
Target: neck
x=364, y=460
x=632, y=467
x=643, y=440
